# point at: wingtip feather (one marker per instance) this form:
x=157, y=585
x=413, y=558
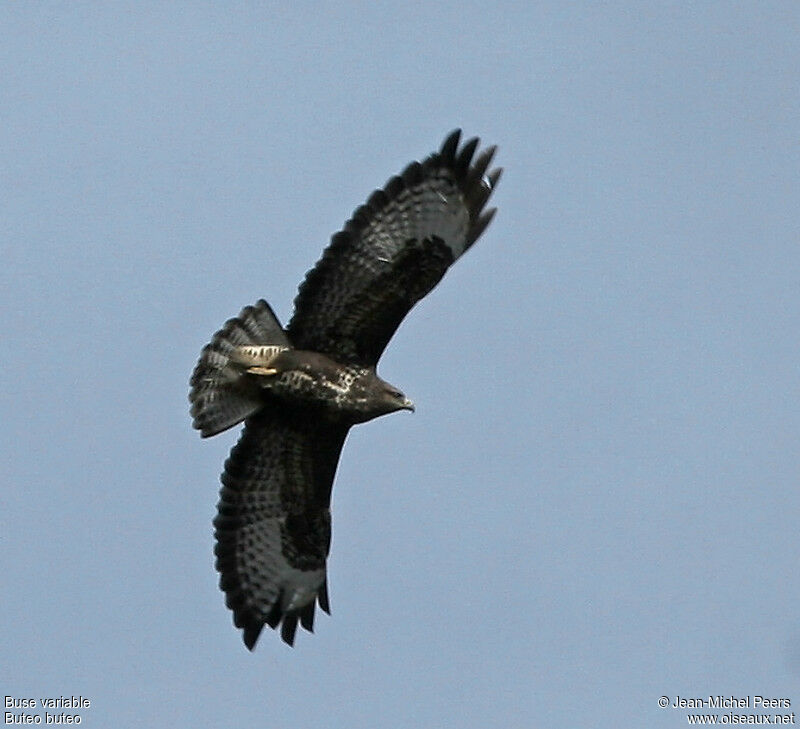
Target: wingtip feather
x=481, y=164
x=322, y=598
x=307, y=617
x=288, y=629
x=465, y=157
x=481, y=224
x=250, y=635
x=450, y=145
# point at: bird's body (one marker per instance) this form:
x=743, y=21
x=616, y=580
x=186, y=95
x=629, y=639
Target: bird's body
x=301, y=389
x=343, y=393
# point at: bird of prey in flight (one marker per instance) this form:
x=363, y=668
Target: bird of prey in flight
x=299, y=390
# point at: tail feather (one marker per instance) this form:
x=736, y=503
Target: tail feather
x=221, y=394
x=261, y=325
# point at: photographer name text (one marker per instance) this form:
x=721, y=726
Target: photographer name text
x=730, y=702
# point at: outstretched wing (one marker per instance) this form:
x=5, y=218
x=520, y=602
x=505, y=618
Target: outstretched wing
x=392, y=252
x=273, y=526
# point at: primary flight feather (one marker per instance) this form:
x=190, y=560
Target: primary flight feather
x=301, y=389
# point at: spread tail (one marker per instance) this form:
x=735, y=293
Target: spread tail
x=222, y=394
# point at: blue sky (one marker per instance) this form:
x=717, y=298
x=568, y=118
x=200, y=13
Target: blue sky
x=596, y=501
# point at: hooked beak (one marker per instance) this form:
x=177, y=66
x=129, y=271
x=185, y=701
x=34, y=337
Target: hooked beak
x=407, y=405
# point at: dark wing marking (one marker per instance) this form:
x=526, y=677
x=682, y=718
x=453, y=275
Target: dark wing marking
x=392, y=252
x=273, y=526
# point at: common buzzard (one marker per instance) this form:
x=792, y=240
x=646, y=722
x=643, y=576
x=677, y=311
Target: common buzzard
x=299, y=390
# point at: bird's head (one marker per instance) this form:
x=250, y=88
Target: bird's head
x=394, y=399
x=378, y=397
